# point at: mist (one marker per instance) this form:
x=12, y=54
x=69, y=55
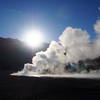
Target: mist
x=74, y=45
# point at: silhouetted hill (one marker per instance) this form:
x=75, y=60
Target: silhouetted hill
x=14, y=53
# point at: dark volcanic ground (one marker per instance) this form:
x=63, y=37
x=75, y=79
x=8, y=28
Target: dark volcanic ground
x=32, y=88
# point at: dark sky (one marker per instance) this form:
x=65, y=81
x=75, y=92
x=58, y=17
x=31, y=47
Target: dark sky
x=50, y=16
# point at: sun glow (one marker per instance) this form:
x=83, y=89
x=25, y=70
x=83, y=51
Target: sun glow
x=33, y=38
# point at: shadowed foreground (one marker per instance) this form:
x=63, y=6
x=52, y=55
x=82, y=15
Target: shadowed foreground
x=32, y=88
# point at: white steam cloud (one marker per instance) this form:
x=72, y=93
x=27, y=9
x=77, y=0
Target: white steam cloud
x=74, y=44
x=97, y=26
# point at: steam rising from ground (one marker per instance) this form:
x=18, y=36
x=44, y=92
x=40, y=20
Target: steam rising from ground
x=74, y=44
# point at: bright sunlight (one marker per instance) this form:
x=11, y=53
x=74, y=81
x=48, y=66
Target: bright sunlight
x=33, y=38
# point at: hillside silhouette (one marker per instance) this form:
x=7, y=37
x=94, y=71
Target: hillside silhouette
x=15, y=53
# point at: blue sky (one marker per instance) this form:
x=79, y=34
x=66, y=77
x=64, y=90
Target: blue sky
x=49, y=16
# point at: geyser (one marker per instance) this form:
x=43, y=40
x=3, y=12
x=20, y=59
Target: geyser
x=74, y=45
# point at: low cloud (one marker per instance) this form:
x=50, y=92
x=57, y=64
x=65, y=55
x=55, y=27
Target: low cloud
x=97, y=27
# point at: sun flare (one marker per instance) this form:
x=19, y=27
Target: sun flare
x=33, y=38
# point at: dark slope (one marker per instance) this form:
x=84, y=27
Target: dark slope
x=14, y=53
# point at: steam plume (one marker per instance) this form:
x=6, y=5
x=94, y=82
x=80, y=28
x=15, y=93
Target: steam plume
x=74, y=44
